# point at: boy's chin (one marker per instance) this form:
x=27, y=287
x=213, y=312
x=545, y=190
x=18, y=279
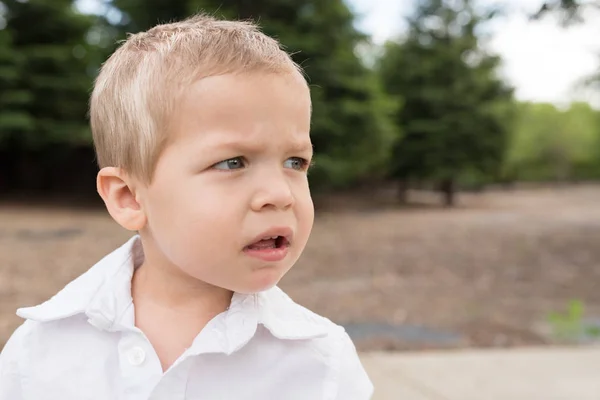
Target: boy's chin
x=263, y=283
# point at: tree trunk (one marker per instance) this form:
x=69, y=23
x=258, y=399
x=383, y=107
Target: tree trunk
x=448, y=189
x=403, y=192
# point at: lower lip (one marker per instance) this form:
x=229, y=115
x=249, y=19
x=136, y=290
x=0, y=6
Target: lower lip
x=269, y=255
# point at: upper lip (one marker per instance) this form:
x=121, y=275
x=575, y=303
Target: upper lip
x=282, y=231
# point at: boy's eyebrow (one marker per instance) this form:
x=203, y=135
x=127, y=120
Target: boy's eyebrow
x=301, y=146
x=251, y=147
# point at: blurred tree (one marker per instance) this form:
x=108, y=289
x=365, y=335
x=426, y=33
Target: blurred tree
x=352, y=128
x=569, y=11
x=140, y=15
x=51, y=83
x=552, y=144
x=456, y=113
x=13, y=120
x=583, y=123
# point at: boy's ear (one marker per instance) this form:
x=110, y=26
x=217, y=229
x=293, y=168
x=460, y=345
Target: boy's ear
x=118, y=193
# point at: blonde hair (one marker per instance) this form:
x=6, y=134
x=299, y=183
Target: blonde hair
x=137, y=88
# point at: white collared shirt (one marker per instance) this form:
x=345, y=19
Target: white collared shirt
x=82, y=345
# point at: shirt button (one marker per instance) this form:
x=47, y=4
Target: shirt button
x=136, y=356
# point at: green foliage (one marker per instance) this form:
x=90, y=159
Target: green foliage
x=352, y=129
x=44, y=59
x=552, y=144
x=144, y=14
x=12, y=118
x=457, y=112
x=569, y=325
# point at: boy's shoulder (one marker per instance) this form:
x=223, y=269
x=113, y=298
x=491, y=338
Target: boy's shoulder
x=96, y=287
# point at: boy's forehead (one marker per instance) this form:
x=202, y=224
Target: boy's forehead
x=246, y=139
x=246, y=102
x=232, y=84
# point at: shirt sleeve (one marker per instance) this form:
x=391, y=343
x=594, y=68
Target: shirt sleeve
x=353, y=382
x=10, y=371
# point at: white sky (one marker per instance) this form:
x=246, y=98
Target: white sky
x=542, y=60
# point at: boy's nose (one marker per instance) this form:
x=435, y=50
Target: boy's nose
x=274, y=192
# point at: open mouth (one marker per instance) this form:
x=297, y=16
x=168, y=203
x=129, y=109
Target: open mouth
x=274, y=242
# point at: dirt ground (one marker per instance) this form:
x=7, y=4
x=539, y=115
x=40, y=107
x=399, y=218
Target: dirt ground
x=489, y=271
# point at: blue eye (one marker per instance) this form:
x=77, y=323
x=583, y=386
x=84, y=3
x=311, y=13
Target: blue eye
x=232, y=163
x=296, y=163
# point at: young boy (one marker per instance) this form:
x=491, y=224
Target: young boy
x=202, y=133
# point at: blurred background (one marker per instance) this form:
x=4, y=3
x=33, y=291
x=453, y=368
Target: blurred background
x=457, y=159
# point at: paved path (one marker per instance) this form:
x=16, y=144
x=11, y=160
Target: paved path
x=518, y=374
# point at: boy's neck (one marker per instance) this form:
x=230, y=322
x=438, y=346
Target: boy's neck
x=166, y=286
x=155, y=285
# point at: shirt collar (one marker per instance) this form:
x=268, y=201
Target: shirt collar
x=103, y=294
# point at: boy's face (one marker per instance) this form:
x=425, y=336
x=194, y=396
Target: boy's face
x=235, y=173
